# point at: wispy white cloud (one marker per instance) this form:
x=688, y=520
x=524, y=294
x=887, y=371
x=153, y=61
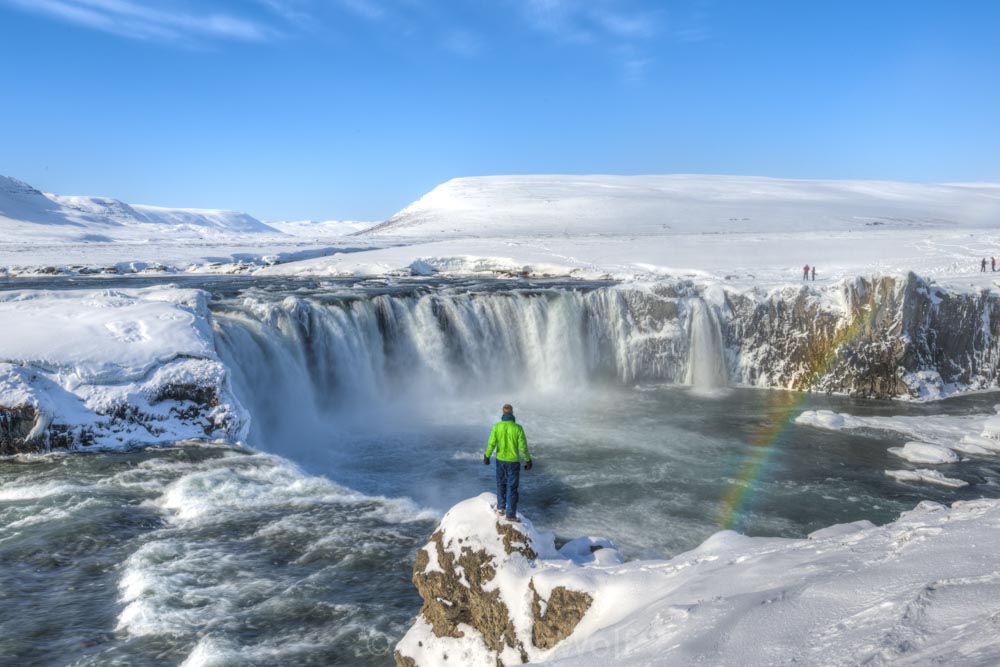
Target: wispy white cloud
x=140, y=20
x=588, y=21
x=293, y=11
x=626, y=30
x=367, y=9
x=625, y=25
x=622, y=27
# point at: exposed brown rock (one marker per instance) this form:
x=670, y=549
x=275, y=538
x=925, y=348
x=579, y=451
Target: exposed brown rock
x=514, y=541
x=403, y=660
x=456, y=595
x=563, y=612
x=448, y=600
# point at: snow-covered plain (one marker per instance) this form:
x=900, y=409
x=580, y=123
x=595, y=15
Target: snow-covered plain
x=921, y=590
x=742, y=230
x=738, y=229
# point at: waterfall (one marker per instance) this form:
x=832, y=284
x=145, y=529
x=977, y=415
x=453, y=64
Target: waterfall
x=706, y=357
x=310, y=363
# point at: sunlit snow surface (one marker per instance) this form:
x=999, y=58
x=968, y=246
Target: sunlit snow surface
x=854, y=594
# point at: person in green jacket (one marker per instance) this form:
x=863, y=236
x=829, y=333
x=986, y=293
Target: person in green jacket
x=507, y=438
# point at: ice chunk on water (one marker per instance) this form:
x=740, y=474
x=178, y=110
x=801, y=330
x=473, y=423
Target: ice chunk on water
x=927, y=477
x=925, y=452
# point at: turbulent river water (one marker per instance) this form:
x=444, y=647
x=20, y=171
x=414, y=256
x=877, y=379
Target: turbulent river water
x=371, y=403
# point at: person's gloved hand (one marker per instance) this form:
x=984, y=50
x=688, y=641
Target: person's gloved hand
x=527, y=466
x=486, y=460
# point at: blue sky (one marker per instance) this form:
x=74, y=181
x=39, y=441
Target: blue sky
x=292, y=109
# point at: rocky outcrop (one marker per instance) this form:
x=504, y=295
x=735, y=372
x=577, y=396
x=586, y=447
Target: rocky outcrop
x=496, y=593
x=454, y=594
x=16, y=424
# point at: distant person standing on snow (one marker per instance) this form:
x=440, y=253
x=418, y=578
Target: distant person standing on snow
x=805, y=272
x=814, y=272
x=507, y=438
x=993, y=263
x=983, y=269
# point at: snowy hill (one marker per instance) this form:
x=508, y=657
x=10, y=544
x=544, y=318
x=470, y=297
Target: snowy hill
x=320, y=228
x=28, y=212
x=517, y=206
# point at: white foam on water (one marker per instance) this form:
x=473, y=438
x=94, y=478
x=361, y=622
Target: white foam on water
x=19, y=491
x=212, y=567
x=208, y=495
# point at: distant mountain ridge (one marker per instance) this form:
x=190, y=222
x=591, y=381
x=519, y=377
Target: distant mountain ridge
x=29, y=211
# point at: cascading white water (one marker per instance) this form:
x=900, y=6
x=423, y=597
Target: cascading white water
x=706, y=369
x=445, y=341
x=308, y=364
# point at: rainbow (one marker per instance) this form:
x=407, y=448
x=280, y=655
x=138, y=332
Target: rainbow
x=784, y=406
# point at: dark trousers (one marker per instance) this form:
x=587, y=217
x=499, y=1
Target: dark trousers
x=508, y=476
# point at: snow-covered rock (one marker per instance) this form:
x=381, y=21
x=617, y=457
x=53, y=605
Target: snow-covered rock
x=925, y=452
x=494, y=590
x=110, y=368
x=920, y=590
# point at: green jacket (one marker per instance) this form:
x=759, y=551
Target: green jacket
x=507, y=438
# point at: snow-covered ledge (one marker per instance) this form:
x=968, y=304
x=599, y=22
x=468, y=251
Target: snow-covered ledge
x=111, y=368
x=923, y=589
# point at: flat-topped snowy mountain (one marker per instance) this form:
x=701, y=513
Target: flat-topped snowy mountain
x=26, y=211
x=518, y=206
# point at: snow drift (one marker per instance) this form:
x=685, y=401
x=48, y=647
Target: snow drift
x=920, y=590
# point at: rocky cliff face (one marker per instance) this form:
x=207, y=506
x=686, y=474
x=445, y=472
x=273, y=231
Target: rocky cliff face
x=880, y=338
x=496, y=593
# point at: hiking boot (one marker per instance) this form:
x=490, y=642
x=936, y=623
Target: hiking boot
x=513, y=519
x=501, y=512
